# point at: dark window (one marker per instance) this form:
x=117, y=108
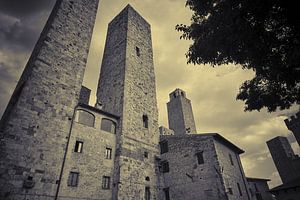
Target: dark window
x=200, y=158
x=259, y=197
x=137, y=51
x=230, y=158
x=164, y=146
x=78, y=147
x=239, y=188
x=147, y=193
x=84, y=117
x=165, y=166
x=145, y=121
x=108, y=125
x=73, y=179
x=146, y=154
x=167, y=193
x=147, y=178
x=108, y=152
x=230, y=191
x=106, y=182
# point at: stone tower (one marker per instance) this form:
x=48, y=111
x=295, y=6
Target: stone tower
x=293, y=124
x=127, y=88
x=36, y=122
x=283, y=155
x=180, y=113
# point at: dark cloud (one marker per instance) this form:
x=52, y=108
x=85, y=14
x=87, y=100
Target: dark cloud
x=24, y=8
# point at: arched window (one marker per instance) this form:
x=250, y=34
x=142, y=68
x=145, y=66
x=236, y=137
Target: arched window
x=84, y=117
x=108, y=125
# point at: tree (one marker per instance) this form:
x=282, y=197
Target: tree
x=261, y=35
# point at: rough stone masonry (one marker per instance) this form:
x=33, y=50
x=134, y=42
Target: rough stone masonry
x=36, y=123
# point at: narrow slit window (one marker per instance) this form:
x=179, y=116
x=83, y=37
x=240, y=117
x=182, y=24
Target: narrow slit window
x=167, y=193
x=147, y=193
x=78, y=147
x=73, y=179
x=145, y=121
x=137, y=51
x=200, y=158
x=108, y=153
x=231, y=160
x=239, y=188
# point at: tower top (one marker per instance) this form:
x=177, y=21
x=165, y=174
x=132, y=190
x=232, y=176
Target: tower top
x=290, y=122
x=129, y=11
x=177, y=93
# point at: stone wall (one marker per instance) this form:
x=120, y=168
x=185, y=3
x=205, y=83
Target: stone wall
x=259, y=188
x=187, y=179
x=91, y=163
x=36, y=123
x=284, y=158
x=232, y=172
x=127, y=88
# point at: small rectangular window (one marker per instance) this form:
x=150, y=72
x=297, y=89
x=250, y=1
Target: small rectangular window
x=73, y=179
x=146, y=154
x=164, y=148
x=137, y=51
x=231, y=160
x=239, y=188
x=108, y=153
x=78, y=147
x=167, y=193
x=106, y=182
x=229, y=190
x=165, y=167
x=145, y=121
x=147, y=193
x=200, y=158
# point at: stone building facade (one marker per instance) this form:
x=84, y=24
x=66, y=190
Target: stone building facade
x=54, y=145
x=198, y=166
x=259, y=189
x=35, y=126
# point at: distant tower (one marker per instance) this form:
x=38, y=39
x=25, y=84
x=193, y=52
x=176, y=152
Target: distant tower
x=283, y=155
x=127, y=88
x=180, y=113
x=36, y=123
x=293, y=124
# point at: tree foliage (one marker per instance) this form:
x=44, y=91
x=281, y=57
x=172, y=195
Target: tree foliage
x=262, y=35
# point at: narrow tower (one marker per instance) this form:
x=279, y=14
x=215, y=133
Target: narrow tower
x=127, y=88
x=293, y=124
x=283, y=155
x=180, y=113
x=36, y=123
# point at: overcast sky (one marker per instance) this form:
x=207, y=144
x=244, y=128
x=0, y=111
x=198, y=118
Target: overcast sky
x=211, y=90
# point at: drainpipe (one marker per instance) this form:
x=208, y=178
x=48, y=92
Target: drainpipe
x=65, y=154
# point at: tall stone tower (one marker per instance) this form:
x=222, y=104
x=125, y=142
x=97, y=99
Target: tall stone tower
x=127, y=88
x=283, y=155
x=36, y=123
x=293, y=124
x=180, y=113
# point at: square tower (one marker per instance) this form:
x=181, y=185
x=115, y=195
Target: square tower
x=283, y=157
x=127, y=88
x=35, y=127
x=293, y=124
x=180, y=113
